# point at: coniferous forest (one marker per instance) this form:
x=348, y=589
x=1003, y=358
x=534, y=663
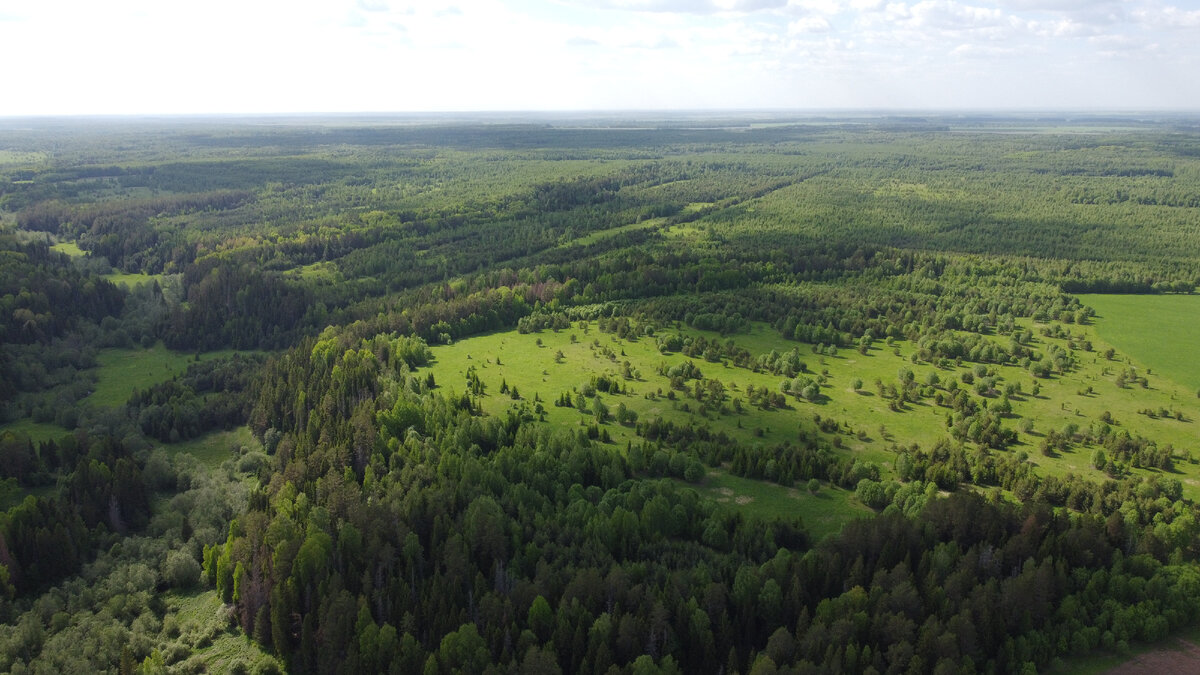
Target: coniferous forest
x=823, y=395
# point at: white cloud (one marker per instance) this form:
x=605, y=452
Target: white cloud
x=687, y=6
x=1167, y=17
x=809, y=24
x=824, y=7
x=277, y=55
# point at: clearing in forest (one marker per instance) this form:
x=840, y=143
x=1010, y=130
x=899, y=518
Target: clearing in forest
x=851, y=407
x=1158, y=330
x=122, y=371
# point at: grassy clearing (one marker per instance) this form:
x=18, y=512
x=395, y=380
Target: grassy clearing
x=10, y=157
x=594, y=237
x=823, y=513
x=36, y=431
x=122, y=371
x=213, y=448
x=1108, y=662
x=204, y=628
x=318, y=271
x=12, y=494
x=70, y=248
x=514, y=359
x=650, y=223
x=132, y=280
x=120, y=278
x=869, y=428
x=1157, y=330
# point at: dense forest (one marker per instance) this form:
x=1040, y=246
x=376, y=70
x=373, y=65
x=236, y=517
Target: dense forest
x=277, y=386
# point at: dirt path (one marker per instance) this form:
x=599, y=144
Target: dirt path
x=1182, y=658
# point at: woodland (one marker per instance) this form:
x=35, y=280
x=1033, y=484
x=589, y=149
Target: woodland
x=709, y=395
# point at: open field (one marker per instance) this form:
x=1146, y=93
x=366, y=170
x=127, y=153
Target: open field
x=36, y=431
x=219, y=647
x=122, y=371
x=213, y=448
x=127, y=279
x=12, y=494
x=70, y=248
x=823, y=513
x=1079, y=398
x=131, y=280
x=1158, y=330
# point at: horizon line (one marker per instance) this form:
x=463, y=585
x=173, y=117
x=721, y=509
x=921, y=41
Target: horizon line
x=862, y=111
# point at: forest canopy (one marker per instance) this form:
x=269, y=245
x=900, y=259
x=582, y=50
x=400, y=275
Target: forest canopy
x=819, y=395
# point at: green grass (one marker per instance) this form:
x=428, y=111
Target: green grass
x=120, y=278
x=533, y=370
x=213, y=448
x=594, y=237
x=823, y=513
x=12, y=494
x=14, y=157
x=869, y=426
x=318, y=271
x=70, y=248
x=1157, y=330
x=218, y=647
x=132, y=280
x=36, y=431
x=122, y=371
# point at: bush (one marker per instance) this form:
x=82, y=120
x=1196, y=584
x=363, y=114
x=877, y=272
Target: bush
x=181, y=570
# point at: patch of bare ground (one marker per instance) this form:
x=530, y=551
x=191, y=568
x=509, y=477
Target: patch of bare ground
x=1180, y=658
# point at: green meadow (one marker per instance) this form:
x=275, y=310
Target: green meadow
x=205, y=632
x=823, y=512
x=127, y=279
x=70, y=248
x=545, y=365
x=131, y=280
x=120, y=372
x=1159, y=331
x=213, y=448
x=36, y=431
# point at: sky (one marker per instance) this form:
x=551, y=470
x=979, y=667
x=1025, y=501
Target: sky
x=280, y=56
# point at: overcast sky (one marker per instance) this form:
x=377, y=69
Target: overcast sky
x=258, y=56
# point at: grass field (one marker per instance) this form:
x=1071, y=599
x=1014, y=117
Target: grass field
x=36, y=431
x=218, y=648
x=13, y=157
x=122, y=371
x=70, y=248
x=823, y=513
x=594, y=237
x=120, y=278
x=1159, y=331
x=868, y=426
x=318, y=271
x=131, y=280
x=213, y=448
